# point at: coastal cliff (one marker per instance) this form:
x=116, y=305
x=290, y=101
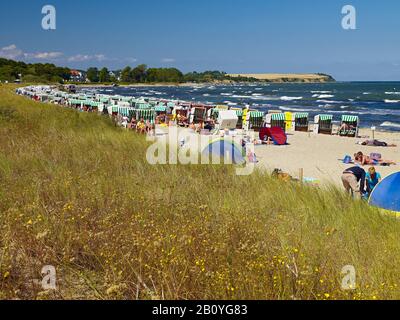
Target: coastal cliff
x=282, y=78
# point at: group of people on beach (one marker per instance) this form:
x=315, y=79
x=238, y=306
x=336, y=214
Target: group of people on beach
x=146, y=127
x=356, y=180
x=360, y=183
x=141, y=126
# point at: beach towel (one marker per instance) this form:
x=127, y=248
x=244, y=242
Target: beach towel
x=277, y=135
x=375, y=156
x=347, y=159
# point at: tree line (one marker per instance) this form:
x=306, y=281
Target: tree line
x=11, y=70
x=49, y=73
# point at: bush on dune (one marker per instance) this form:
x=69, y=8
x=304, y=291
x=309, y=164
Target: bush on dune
x=77, y=193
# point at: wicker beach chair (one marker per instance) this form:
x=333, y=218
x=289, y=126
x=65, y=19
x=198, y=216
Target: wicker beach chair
x=351, y=123
x=276, y=120
x=301, y=121
x=323, y=124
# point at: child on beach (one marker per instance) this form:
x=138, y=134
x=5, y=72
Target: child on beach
x=141, y=127
x=372, y=178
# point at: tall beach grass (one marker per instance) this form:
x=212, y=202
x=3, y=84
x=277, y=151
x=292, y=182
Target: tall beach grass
x=77, y=193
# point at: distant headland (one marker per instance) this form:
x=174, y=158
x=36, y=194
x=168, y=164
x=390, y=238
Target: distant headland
x=287, y=77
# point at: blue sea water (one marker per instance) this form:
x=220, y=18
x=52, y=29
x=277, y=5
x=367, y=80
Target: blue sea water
x=376, y=103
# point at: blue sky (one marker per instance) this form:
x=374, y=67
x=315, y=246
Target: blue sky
x=237, y=36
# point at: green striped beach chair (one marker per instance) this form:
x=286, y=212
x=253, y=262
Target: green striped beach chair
x=301, y=121
x=143, y=106
x=323, y=124
x=351, y=124
x=256, y=120
x=112, y=110
x=171, y=105
x=239, y=113
x=198, y=115
x=276, y=119
x=160, y=109
x=146, y=114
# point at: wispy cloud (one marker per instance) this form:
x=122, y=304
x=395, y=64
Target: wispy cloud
x=129, y=60
x=87, y=57
x=13, y=52
x=44, y=55
x=99, y=58
x=167, y=60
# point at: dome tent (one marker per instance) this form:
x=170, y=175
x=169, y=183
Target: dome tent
x=386, y=194
x=224, y=150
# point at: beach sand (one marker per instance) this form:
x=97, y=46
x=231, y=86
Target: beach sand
x=320, y=156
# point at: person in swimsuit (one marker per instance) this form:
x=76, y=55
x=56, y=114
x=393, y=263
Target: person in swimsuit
x=363, y=160
x=376, y=143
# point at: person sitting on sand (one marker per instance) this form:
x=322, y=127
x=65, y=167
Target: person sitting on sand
x=210, y=125
x=141, y=126
x=363, y=160
x=132, y=124
x=182, y=120
x=198, y=127
x=372, y=179
x=267, y=140
x=149, y=126
x=345, y=127
x=376, y=143
x=124, y=122
x=353, y=180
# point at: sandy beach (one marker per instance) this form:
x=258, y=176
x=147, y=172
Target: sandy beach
x=320, y=156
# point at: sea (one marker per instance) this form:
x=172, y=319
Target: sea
x=376, y=103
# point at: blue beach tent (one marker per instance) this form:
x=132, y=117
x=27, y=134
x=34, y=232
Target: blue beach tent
x=226, y=150
x=386, y=194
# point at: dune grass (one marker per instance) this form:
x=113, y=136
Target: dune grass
x=77, y=193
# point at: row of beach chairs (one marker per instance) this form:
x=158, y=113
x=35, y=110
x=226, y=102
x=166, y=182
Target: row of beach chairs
x=323, y=123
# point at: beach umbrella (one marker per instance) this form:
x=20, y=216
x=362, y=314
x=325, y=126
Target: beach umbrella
x=224, y=149
x=277, y=135
x=386, y=194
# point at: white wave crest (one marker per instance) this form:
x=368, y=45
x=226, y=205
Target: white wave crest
x=391, y=101
x=285, y=98
x=323, y=96
x=390, y=124
x=328, y=101
x=298, y=109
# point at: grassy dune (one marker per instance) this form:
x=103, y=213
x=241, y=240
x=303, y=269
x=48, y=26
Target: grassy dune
x=77, y=193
